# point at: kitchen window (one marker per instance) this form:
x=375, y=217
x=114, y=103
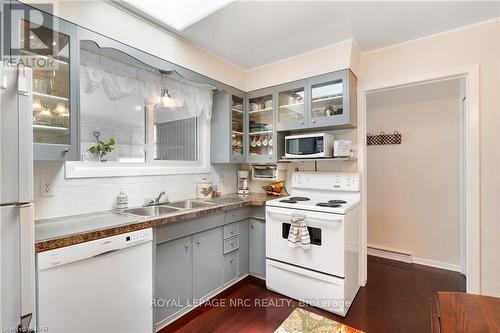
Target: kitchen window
x=156, y=121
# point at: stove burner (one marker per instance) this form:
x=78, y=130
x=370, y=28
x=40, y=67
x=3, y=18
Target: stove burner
x=337, y=201
x=299, y=198
x=328, y=204
x=288, y=201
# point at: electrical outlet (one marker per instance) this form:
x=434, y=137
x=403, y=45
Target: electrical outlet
x=46, y=189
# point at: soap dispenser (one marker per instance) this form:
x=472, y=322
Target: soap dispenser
x=122, y=200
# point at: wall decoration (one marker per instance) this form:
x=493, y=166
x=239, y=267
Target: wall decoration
x=383, y=139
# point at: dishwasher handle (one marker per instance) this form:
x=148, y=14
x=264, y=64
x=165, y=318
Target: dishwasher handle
x=103, y=254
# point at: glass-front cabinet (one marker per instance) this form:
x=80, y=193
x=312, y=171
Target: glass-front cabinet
x=228, y=127
x=261, y=129
x=48, y=46
x=291, y=106
x=332, y=100
x=237, y=128
x=325, y=101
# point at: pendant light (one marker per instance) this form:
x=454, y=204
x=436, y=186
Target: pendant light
x=166, y=100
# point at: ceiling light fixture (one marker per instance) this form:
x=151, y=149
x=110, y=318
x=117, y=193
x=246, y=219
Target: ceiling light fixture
x=166, y=100
x=176, y=14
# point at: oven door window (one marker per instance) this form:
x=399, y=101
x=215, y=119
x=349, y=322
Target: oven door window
x=304, y=146
x=314, y=233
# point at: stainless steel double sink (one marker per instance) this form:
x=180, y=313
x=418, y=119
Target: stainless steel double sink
x=168, y=208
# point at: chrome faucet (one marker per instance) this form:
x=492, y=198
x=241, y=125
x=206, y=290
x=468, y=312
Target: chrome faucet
x=156, y=201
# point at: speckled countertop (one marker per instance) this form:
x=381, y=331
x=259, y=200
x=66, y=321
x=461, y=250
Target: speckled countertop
x=70, y=230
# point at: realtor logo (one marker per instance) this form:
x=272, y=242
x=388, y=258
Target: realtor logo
x=30, y=37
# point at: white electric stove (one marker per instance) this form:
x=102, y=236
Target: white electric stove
x=326, y=275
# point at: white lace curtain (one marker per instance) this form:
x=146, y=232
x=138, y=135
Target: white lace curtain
x=119, y=80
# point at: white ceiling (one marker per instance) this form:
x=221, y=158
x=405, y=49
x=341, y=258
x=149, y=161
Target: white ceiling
x=251, y=34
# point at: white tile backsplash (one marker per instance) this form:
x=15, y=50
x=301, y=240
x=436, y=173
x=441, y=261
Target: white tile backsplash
x=75, y=196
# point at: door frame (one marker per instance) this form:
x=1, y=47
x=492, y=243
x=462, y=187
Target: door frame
x=471, y=164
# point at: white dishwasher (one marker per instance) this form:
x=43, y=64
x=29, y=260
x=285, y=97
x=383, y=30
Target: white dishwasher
x=104, y=286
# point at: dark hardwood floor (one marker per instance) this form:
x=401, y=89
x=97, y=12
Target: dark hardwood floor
x=395, y=299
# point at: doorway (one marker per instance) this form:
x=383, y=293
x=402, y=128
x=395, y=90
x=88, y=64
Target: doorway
x=413, y=186
x=466, y=240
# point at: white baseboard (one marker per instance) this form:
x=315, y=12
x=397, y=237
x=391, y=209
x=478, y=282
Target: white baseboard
x=437, y=264
x=391, y=254
x=407, y=257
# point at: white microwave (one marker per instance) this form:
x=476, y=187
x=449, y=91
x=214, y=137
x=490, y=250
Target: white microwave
x=310, y=145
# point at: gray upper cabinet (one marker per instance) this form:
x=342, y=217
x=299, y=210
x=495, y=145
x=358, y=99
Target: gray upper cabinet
x=172, y=277
x=49, y=46
x=332, y=100
x=208, y=262
x=262, y=140
x=228, y=126
x=291, y=112
x=326, y=101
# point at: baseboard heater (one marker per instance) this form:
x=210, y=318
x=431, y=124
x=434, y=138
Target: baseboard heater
x=390, y=254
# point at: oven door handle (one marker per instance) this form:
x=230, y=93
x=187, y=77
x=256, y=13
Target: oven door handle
x=279, y=217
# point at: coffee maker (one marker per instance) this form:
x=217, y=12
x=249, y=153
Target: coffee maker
x=243, y=182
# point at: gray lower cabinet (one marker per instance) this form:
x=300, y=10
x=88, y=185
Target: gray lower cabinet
x=173, y=290
x=243, y=250
x=257, y=247
x=231, y=266
x=208, y=264
x=198, y=257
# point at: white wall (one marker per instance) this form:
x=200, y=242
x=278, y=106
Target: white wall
x=478, y=44
x=75, y=196
x=329, y=59
x=413, y=188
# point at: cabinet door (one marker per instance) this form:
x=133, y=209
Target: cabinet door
x=172, y=278
x=48, y=45
x=257, y=247
x=261, y=141
x=329, y=100
x=238, y=138
x=230, y=267
x=291, y=112
x=208, y=262
x=243, y=249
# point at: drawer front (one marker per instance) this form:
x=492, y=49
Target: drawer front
x=231, y=229
x=236, y=215
x=290, y=280
x=230, y=266
x=231, y=244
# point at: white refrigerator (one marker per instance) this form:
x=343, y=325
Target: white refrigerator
x=17, y=264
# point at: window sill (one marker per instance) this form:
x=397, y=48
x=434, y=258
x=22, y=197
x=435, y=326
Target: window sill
x=111, y=169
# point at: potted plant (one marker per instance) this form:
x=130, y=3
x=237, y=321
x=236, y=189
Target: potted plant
x=101, y=149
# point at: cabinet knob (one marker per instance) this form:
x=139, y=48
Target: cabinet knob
x=66, y=150
x=232, y=232
x=314, y=121
x=186, y=246
x=197, y=242
x=231, y=260
x=302, y=123
x=251, y=226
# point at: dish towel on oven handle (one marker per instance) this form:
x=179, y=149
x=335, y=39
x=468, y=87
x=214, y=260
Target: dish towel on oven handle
x=298, y=234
